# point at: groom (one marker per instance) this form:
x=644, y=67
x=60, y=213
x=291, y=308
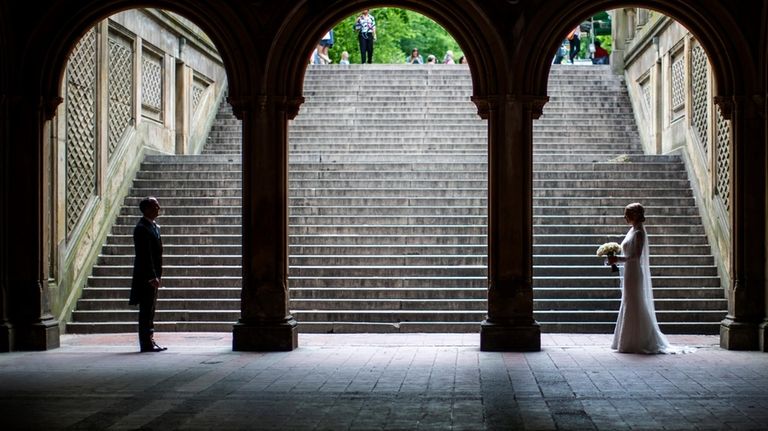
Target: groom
x=147, y=271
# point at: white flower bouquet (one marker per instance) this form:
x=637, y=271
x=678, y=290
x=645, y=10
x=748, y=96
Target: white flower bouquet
x=609, y=249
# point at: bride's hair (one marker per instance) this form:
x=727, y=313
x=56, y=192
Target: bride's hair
x=637, y=211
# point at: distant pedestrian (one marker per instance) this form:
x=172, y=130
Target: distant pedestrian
x=463, y=59
x=448, y=59
x=344, y=58
x=562, y=52
x=365, y=25
x=415, y=57
x=575, y=43
x=322, y=48
x=431, y=59
x=600, y=55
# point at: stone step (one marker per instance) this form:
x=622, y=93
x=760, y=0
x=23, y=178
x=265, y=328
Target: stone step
x=375, y=316
x=369, y=327
x=665, y=298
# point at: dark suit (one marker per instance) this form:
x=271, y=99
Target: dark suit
x=147, y=266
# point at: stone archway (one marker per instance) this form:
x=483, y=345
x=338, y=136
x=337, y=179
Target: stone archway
x=256, y=40
x=734, y=70
x=510, y=324
x=38, y=83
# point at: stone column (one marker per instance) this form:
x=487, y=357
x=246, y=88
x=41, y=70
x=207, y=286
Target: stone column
x=183, y=117
x=510, y=325
x=6, y=330
x=265, y=323
x=33, y=327
x=746, y=296
x=619, y=37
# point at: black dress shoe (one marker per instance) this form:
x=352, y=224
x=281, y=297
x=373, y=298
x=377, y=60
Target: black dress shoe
x=154, y=348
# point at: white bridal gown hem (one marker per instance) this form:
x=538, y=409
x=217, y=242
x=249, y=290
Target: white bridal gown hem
x=637, y=330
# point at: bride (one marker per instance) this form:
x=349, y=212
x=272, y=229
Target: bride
x=637, y=330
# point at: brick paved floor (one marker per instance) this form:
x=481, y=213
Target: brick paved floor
x=364, y=381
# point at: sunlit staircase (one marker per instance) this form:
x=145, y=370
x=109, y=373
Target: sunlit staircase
x=388, y=168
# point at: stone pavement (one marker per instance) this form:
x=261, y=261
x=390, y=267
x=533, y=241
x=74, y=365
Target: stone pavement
x=372, y=382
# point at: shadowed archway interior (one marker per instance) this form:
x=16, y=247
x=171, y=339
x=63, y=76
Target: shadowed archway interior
x=258, y=44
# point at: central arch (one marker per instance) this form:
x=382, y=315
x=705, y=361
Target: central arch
x=283, y=86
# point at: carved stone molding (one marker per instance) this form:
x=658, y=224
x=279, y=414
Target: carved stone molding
x=261, y=103
x=291, y=105
x=48, y=106
x=242, y=104
x=727, y=105
x=485, y=105
x=532, y=104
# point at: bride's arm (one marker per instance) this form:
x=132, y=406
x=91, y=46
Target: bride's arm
x=635, y=247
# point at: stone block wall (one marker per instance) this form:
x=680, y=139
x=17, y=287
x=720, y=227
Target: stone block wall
x=140, y=82
x=671, y=86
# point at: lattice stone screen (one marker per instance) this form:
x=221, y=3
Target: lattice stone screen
x=152, y=85
x=120, y=88
x=699, y=99
x=80, y=128
x=198, y=89
x=645, y=88
x=723, y=159
x=678, y=86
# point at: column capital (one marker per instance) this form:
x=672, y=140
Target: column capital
x=262, y=103
x=289, y=104
x=726, y=105
x=489, y=103
x=750, y=104
x=531, y=103
x=486, y=104
x=245, y=103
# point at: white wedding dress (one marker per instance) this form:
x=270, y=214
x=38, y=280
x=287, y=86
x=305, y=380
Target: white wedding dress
x=637, y=330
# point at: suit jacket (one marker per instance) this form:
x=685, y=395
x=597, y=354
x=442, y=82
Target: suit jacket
x=148, y=263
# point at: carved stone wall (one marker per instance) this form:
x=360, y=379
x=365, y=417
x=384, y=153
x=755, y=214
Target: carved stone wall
x=677, y=86
x=115, y=78
x=700, y=99
x=704, y=138
x=152, y=85
x=723, y=162
x=121, y=80
x=81, y=129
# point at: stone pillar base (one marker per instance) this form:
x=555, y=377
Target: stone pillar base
x=265, y=337
x=763, y=337
x=6, y=337
x=510, y=338
x=42, y=335
x=736, y=335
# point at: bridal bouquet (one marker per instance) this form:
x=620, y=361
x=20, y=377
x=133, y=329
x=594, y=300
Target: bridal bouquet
x=609, y=249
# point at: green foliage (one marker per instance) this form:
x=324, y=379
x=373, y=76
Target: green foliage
x=398, y=32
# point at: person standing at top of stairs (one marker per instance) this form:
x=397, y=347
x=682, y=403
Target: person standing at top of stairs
x=366, y=36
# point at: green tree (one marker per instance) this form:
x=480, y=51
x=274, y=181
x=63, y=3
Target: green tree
x=398, y=31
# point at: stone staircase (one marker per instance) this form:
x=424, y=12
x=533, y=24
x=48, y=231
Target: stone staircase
x=588, y=164
x=388, y=213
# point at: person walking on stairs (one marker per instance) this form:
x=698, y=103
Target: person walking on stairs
x=575, y=44
x=147, y=272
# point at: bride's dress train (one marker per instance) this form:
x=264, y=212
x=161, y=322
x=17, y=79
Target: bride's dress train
x=637, y=330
